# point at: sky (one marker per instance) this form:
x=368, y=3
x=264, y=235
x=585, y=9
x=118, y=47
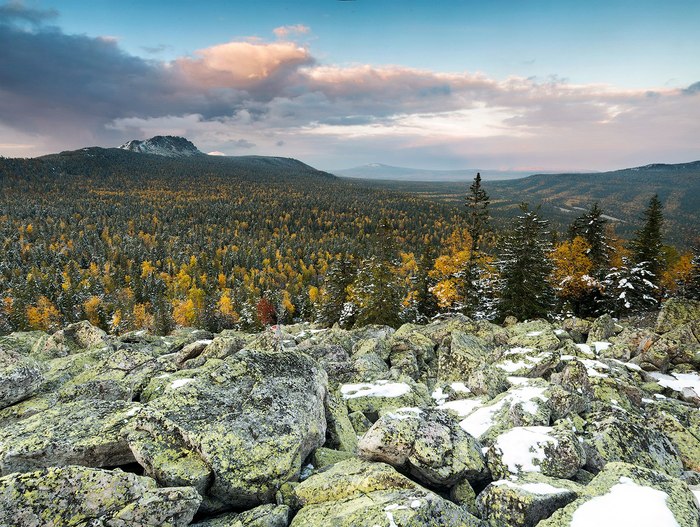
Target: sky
x=440, y=84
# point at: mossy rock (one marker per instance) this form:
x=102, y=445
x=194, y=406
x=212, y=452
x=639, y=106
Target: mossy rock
x=340, y=433
x=252, y=418
x=263, y=516
x=356, y=492
x=637, y=495
x=676, y=312
x=615, y=435
x=20, y=377
x=427, y=444
x=459, y=355
x=322, y=457
x=24, y=342
x=74, y=338
x=88, y=433
x=413, y=355
x=383, y=395
x=602, y=329
x=538, y=335
x=79, y=496
x=526, y=500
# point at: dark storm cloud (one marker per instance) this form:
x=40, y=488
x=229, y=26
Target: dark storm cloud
x=17, y=11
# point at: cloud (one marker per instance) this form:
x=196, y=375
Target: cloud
x=283, y=32
x=61, y=91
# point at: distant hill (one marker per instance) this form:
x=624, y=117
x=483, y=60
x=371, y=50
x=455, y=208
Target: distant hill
x=163, y=145
x=388, y=172
x=623, y=195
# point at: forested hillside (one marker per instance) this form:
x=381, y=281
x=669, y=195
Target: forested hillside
x=133, y=240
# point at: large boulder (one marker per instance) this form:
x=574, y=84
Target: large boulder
x=245, y=423
x=625, y=495
x=538, y=335
x=20, y=377
x=262, y=516
x=459, y=356
x=72, y=339
x=356, y=492
x=87, y=433
x=552, y=451
x=83, y=496
x=676, y=312
x=681, y=345
x=526, y=500
x=384, y=395
x=615, y=435
x=602, y=329
x=427, y=443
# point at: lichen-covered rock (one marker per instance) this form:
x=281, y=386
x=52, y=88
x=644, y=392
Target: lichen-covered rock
x=627, y=495
x=24, y=342
x=322, y=457
x=630, y=343
x=20, y=377
x=427, y=443
x=88, y=433
x=525, y=501
x=413, y=355
x=488, y=380
x=463, y=495
x=262, y=516
x=538, y=335
x=578, y=328
x=252, y=419
x=676, y=312
x=459, y=356
x=340, y=433
x=675, y=422
x=72, y=339
x=528, y=362
x=552, y=451
x=602, y=329
x=681, y=345
x=383, y=395
x=79, y=496
x=525, y=404
x=615, y=435
x=356, y=492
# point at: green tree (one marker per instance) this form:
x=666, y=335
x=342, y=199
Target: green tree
x=647, y=244
x=591, y=227
x=525, y=268
x=334, y=295
x=477, y=202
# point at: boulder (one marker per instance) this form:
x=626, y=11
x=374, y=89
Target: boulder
x=72, y=339
x=676, y=312
x=84, y=496
x=383, y=395
x=526, y=500
x=538, y=335
x=340, y=433
x=250, y=420
x=528, y=362
x=20, y=377
x=24, y=342
x=88, y=433
x=459, y=356
x=356, y=492
x=681, y=345
x=262, y=516
x=627, y=495
x=552, y=451
x=578, y=328
x=413, y=355
x=427, y=444
x=616, y=435
x=602, y=329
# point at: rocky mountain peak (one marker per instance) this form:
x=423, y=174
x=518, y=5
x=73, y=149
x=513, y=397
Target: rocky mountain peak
x=163, y=145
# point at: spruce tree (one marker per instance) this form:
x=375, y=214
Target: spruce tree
x=525, y=269
x=477, y=202
x=648, y=242
x=629, y=289
x=335, y=290
x=591, y=227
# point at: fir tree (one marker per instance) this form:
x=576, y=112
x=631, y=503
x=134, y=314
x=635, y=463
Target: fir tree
x=425, y=302
x=591, y=227
x=376, y=294
x=647, y=244
x=477, y=202
x=525, y=268
x=629, y=289
x=692, y=287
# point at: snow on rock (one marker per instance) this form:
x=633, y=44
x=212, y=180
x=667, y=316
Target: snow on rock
x=462, y=407
x=679, y=382
x=377, y=389
x=522, y=447
x=627, y=504
x=179, y=383
x=542, y=489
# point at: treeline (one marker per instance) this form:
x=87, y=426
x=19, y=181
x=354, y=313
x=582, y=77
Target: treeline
x=132, y=241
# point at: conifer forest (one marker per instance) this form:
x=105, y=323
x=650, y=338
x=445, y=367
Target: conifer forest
x=131, y=241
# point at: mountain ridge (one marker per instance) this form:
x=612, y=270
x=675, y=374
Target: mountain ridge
x=163, y=145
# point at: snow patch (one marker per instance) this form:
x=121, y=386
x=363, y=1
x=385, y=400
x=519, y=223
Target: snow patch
x=179, y=383
x=627, y=504
x=522, y=447
x=542, y=489
x=378, y=389
x=679, y=381
x=462, y=407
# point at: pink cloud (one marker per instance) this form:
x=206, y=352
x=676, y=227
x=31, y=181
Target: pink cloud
x=242, y=65
x=283, y=32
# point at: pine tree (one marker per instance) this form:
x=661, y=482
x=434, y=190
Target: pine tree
x=591, y=227
x=647, y=244
x=525, y=268
x=477, y=202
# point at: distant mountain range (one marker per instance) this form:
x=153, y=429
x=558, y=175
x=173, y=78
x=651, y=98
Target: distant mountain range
x=388, y=172
x=163, y=145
